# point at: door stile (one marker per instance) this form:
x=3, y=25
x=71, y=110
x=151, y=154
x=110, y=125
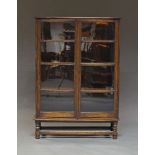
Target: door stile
x=37, y=63
x=116, y=69
x=77, y=69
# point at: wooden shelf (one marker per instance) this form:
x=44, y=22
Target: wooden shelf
x=101, y=74
x=57, y=90
x=84, y=90
x=97, y=41
x=97, y=64
x=96, y=90
x=57, y=63
x=57, y=40
x=70, y=31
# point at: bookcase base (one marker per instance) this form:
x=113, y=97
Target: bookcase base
x=76, y=131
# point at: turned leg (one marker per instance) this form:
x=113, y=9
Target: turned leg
x=111, y=126
x=114, y=130
x=37, y=130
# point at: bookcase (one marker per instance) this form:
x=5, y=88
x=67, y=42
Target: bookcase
x=77, y=76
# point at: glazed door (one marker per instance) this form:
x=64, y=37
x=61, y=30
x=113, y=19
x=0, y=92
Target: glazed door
x=98, y=68
x=77, y=68
x=55, y=68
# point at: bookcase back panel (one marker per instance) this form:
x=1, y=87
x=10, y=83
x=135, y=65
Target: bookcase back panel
x=97, y=77
x=57, y=76
x=58, y=30
x=95, y=52
x=57, y=51
x=97, y=102
x=57, y=102
x=99, y=30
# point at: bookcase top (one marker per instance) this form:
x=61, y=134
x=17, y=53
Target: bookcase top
x=67, y=17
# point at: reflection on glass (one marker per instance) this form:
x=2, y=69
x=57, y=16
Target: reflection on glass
x=97, y=102
x=58, y=31
x=97, y=31
x=57, y=76
x=97, y=52
x=57, y=49
x=57, y=52
x=57, y=102
x=97, y=77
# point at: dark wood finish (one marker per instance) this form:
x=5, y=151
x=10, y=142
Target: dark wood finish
x=37, y=63
x=76, y=115
x=57, y=114
x=57, y=20
x=57, y=90
x=116, y=70
x=57, y=63
x=92, y=90
x=91, y=119
x=37, y=131
x=57, y=40
x=97, y=114
x=99, y=41
x=115, y=130
x=78, y=68
x=77, y=133
x=97, y=64
x=75, y=127
x=81, y=18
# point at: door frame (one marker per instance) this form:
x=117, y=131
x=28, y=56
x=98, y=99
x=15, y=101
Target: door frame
x=114, y=113
x=77, y=114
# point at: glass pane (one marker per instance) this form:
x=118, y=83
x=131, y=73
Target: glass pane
x=57, y=52
x=58, y=31
x=57, y=76
x=98, y=31
x=97, y=102
x=97, y=77
x=97, y=52
x=57, y=101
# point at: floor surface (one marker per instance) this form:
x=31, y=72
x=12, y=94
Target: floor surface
x=126, y=144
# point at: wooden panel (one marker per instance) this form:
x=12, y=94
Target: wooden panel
x=56, y=114
x=96, y=114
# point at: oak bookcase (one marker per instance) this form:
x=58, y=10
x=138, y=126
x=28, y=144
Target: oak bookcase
x=77, y=75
